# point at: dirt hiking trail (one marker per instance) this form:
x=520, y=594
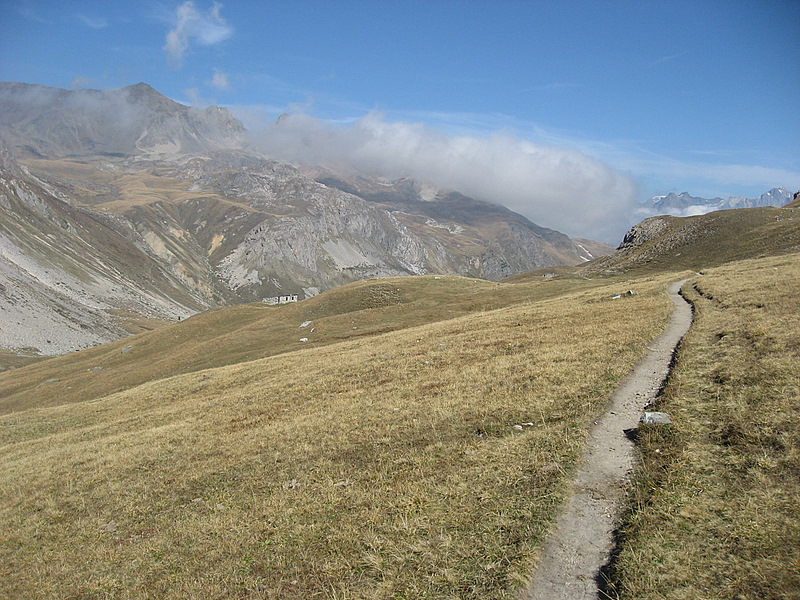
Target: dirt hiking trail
x=582, y=538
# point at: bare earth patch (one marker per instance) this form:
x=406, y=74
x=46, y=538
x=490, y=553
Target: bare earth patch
x=580, y=543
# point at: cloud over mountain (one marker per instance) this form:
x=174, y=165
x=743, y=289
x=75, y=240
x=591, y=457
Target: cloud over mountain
x=205, y=28
x=559, y=187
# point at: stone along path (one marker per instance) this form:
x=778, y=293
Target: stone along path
x=582, y=538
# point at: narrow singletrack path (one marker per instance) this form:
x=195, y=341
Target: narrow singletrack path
x=582, y=538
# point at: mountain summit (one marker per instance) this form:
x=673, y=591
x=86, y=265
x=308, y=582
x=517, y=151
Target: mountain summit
x=135, y=120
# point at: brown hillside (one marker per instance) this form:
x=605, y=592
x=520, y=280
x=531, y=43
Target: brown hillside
x=795, y=203
x=694, y=243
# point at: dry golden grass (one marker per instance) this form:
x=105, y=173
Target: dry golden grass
x=716, y=514
x=382, y=467
x=709, y=240
x=117, y=191
x=236, y=334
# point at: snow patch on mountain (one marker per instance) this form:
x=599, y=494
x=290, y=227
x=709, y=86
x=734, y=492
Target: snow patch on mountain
x=686, y=205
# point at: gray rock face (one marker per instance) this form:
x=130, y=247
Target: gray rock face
x=65, y=270
x=124, y=202
x=315, y=235
x=640, y=234
x=334, y=238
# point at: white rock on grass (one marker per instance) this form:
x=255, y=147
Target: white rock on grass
x=656, y=418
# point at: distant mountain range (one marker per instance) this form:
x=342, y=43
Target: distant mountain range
x=123, y=209
x=685, y=205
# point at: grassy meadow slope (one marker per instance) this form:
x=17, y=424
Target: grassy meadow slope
x=231, y=335
x=424, y=462
x=421, y=440
x=675, y=243
x=716, y=513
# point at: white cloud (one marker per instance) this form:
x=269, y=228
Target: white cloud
x=220, y=80
x=702, y=177
x=554, y=86
x=93, y=22
x=28, y=11
x=669, y=58
x=205, y=28
x=554, y=187
x=194, y=99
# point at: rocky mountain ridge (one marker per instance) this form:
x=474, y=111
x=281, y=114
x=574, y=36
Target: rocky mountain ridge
x=69, y=276
x=175, y=216
x=694, y=243
x=684, y=204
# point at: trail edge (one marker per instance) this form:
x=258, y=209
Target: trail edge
x=583, y=536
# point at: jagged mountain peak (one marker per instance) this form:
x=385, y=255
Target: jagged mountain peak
x=145, y=95
x=142, y=88
x=684, y=204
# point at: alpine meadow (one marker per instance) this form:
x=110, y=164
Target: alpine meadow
x=380, y=301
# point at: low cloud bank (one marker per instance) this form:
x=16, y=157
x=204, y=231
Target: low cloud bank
x=554, y=187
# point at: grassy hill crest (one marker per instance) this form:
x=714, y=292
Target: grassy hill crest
x=694, y=243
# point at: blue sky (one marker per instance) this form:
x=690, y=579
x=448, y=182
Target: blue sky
x=650, y=97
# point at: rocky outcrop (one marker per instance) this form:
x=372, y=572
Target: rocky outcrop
x=68, y=274
x=695, y=243
x=646, y=231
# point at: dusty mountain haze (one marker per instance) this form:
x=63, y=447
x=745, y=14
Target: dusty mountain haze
x=49, y=122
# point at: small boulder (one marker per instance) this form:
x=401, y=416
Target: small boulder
x=109, y=527
x=656, y=418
